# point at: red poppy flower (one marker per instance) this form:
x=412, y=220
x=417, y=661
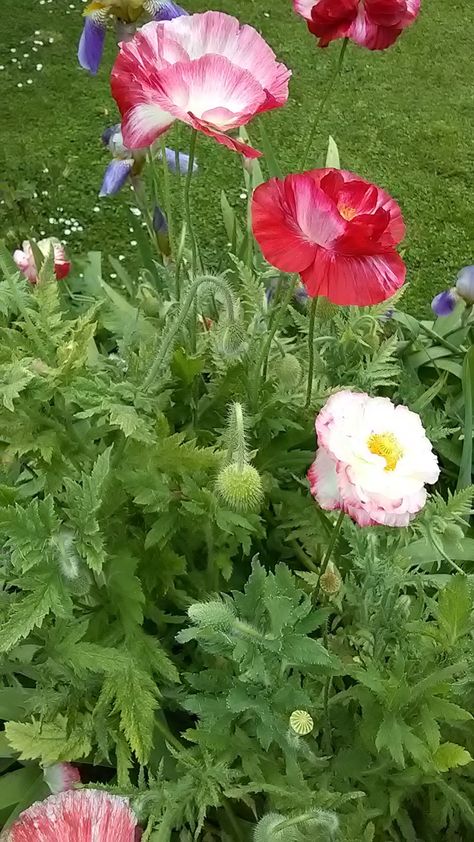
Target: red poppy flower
x=375, y=24
x=336, y=230
x=86, y=815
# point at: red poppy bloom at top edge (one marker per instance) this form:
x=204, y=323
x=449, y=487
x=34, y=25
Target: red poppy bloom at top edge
x=205, y=70
x=336, y=230
x=375, y=24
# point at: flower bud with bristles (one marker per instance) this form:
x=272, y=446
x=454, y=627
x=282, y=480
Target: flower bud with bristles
x=240, y=487
x=266, y=829
x=289, y=371
x=231, y=340
x=214, y=615
x=331, y=580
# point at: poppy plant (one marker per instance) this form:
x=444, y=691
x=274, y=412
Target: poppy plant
x=206, y=70
x=336, y=230
x=373, y=460
x=85, y=815
x=126, y=14
x=375, y=24
x=26, y=262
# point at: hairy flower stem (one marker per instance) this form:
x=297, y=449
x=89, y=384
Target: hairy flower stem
x=312, y=319
x=187, y=201
x=323, y=103
x=237, y=453
x=167, y=196
x=262, y=358
x=172, y=333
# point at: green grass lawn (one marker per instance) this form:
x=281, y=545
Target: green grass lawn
x=402, y=118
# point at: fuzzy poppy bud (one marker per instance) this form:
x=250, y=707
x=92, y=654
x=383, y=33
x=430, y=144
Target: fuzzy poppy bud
x=267, y=829
x=231, y=340
x=289, y=371
x=240, y=487
x=214, y=614
x=331, y=580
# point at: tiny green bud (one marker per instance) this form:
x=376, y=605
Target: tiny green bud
x=331, y=580
x=214, y=614
x=289, y=371
x=240, y=487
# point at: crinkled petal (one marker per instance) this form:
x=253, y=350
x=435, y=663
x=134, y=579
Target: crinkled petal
x=445, y=302
x=76, y=816
x=465, y=284
x=354, y=280
x=322, y=477
x=91, y=44
x=115, y=176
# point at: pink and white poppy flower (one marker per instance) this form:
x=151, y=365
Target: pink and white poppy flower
x=86, y=815
x=206, y=70
x=373, y=460
x=25, y=259
x=375, y=24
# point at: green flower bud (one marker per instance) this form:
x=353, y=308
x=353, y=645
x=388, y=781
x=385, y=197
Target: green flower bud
x=325, y=310
x=289, y=371
x=231, y=340
x=331, y=580
x=240, y=487
x=266, y=830
x=214, y=614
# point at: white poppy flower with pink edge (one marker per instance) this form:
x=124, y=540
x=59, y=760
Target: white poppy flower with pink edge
x=373, y=460
x=85, y=815
x=25, y=259
x=206, y=70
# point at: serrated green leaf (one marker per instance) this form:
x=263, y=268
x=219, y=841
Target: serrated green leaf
x=390, y=737
x=451, y=756
x=300, y=650
x=50, y=742
x=455, y=609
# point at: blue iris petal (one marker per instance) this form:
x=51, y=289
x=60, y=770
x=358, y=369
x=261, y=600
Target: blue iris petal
x=91, y=45
x=108, y=133
x=465, y=284
x=444, y=303
x=160, y=224
x=183, y=161
x=115, y=177
x=168, y=10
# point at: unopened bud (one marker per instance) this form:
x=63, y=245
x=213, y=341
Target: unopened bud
x=331, y=580
x=231, y=340
x=325, y=310
x=214, y=614
x=465, y=284
x=240, y=487
x=267, y=829
x=289, y=371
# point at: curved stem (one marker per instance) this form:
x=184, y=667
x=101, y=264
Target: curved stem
x=173, y=331
x=187, y=203
x=265, y=349
x=323, y=103
x=240, y=453
x=312, y=319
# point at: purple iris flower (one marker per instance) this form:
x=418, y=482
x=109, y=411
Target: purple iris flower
x=115, y=176
x=160, y=224
x=465, y=284
x=166, y=10
x=444, y=303
x=91, y=45
x=183, y=161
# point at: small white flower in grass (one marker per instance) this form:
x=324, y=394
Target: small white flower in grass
x=121, y=257
x=301, y=722
x=136, y=211
x=52, y=220
x=67, y=232
x=37, y=31
x=2, y=67
x=34, y=49
x=96, y=209
x=14, y=60
x=19, y=85
x=39, y=67
x=29, y=81
x=13, y=49
x=133, y=242
x=243, y=195
x=51, y=40
x=26, y=55
x=113, y=275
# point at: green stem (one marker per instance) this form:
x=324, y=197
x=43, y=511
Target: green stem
x=232, y=820
x=173, y=331
x=330, y=548
x=265, y=349
x=167, y=195
x=312, y=319
x=167, y=734
x=187, y=203
x=323, y=103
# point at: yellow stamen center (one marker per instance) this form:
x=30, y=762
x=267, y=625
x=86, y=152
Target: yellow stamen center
x=347, y=212
x=387, y=446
